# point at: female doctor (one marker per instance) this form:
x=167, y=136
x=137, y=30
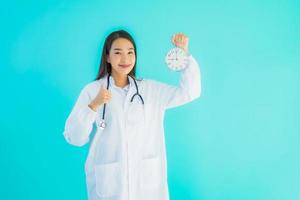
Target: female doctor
x=127, y=154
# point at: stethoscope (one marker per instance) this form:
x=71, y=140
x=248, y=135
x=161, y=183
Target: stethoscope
x=102, y=123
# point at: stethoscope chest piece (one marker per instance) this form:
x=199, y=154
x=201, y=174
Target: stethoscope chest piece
x=101, y=124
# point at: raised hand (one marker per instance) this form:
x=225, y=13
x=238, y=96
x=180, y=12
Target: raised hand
x=181, y=40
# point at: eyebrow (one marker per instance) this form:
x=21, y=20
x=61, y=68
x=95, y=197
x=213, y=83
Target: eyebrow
x=121, y=49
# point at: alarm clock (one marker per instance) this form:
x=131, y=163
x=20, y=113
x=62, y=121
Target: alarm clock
x=176, y=59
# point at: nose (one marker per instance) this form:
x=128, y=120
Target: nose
x=124, y=59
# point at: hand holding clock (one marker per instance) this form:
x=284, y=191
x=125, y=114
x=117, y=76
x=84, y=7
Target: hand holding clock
x=176, y=58
x=180, y=40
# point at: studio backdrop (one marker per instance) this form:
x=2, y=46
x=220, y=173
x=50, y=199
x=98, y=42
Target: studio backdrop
x=239, y=140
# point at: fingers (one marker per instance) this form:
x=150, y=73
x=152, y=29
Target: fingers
x=179, y=38
x=104, y=95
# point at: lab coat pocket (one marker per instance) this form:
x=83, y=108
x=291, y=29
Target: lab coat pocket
x=108, y=179
x=151, y=173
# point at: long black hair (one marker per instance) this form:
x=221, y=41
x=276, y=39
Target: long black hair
x=105, y=67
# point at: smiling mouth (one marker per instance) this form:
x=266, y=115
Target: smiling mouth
x=124, y=66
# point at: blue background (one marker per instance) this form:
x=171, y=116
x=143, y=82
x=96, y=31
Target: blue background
x=240, y=140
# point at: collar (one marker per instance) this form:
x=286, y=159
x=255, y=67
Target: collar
x=112, y=82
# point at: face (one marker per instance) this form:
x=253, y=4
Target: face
x=121, y=57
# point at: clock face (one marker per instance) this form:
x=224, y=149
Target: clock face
x=176, y=59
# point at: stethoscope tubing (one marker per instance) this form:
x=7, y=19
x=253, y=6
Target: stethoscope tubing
x=102, y=123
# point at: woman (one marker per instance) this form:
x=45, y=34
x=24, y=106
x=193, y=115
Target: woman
x=127, y=156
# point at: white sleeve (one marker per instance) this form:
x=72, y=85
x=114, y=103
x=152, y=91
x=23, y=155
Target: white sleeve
x=188, y=90
x=79, y=123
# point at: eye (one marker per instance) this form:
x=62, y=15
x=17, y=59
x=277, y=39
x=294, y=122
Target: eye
x=117, y=53
x=130, y=52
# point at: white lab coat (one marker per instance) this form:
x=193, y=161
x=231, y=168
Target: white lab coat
x=127, y=160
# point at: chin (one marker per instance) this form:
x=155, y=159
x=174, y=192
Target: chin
x=125, y=71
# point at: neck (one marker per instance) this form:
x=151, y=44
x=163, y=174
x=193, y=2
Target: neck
x=120, y=80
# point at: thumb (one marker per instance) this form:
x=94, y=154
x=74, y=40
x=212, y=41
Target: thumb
x=101, y=89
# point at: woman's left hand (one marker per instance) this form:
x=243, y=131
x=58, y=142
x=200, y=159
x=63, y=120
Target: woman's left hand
x=180, y=40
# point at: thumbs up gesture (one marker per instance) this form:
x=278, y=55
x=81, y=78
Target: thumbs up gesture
x=102, y=97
